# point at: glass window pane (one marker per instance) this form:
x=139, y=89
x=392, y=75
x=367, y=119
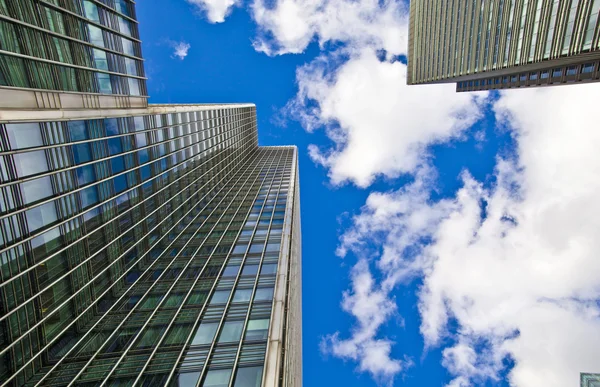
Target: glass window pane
x=217, y=378
x=77, y=130
x=91, y=11
x=188, y=379
x=30, y=163
x=24, y=135
x=100, y=59
x=256, y=248
x=269, y=268
x=82, y=153
x=89, y=196
x=242, y=295
x=96, y=37
x=41, y=216
x=37, y=189
x=263, y=294
x=104, y=85
x=85, y=175
x=250, y=270
x=111, y=126
x=257, y=329
x=231, y=270
x=232, y=331
x=220, y=297
x=248, y=377
x=205, y=333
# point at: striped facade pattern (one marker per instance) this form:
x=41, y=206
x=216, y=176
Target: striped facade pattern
x=149, y=250
x=496, y=44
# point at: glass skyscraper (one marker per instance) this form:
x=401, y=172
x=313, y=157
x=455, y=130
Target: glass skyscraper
x=140, y=244
x=499, y=44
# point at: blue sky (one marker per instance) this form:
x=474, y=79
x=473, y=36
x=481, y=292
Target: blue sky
x=426, y=257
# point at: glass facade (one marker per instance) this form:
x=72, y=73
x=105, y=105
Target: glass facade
x=482, y=44
x=160, y=249
x=86, y=46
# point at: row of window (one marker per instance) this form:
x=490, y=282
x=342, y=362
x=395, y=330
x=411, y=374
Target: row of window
x=557, y=73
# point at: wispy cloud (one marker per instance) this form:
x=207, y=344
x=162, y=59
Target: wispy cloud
x=180, y=49
x=516, y=280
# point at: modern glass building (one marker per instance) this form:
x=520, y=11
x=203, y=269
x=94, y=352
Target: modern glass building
x=500, y=44
x=75, y=53
x=140, y=244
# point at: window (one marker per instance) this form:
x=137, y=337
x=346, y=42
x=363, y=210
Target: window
x=544, y=74
x=37, y=189
x=240, y=249
x=588, y=68
x=256, y=248
x=273, y=247
x=100, y=59
x=231, y=271
x=91, y=11
x=220, y=297
x=232, y=331
x=124, y=26
x=188, y=379
x=134, y=86
x=81, y=153
x=250, y=270
x=41, y=216
x=30, y=163
x=248, y=377
x=205, y=333
x=263, y=294
x=242, y=295
x=77, y=130
x=217, y=378
x=24, y=135
x=257, y=329
x=572, y=70
x=533, y=76
x=104, y=85
x=117, y=164
x=114, y=146
x=523, y=77
x=557, y=73
x=127, y=46
x=268, y=269
x=96, y=37
x=89, y=196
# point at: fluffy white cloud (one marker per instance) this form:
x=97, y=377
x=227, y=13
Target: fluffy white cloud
x=216, y=10
x=379, y=124
x=180, y=49
x=288, y=26
x=513, y=267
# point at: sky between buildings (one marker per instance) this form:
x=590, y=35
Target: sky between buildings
x=448, y=239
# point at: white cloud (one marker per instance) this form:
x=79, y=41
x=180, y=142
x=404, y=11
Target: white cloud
x=288, y=26
x=180, y=49
x=521, y=281
x=378, y=124
x=216, y=10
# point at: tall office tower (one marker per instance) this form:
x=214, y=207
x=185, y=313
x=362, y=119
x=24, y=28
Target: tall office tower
x=140, y=244
x=500, y=44
x=70, y=54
